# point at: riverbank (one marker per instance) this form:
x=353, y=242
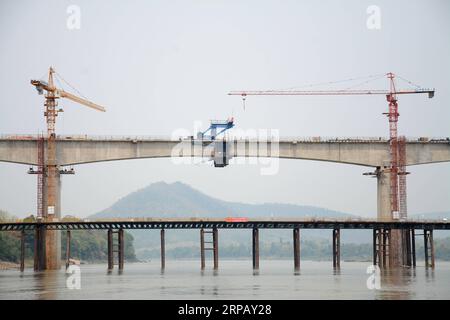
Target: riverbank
x=5, y=265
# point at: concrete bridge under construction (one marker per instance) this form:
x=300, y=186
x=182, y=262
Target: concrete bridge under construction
x=367, y=152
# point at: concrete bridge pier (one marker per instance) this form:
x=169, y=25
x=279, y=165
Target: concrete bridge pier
x=384, y=213
x=202, y=249
x=215, y=234
x=121, y=248
x=255, y=248
x=48, y=242
x=163, y=249
x=396, y=249
x=68, y=243
x=413, y=247
x=39, y=248
x=22, y=250
x=296, y=242
x=336, y=248
x=409, y=247
x=110, y=250
x=429, y=248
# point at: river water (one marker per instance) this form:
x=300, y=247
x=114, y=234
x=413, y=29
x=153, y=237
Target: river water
x=235, y=280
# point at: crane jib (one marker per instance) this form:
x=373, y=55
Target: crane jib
x=323, y=92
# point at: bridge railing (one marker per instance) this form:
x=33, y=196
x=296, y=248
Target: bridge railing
x=295, y=139
x=318, y=219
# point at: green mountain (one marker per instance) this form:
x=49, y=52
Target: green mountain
x=180, y=200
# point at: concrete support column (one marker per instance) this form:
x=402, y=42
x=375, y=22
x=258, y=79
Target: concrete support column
x=163, y=249
x=215, y=234
x=121, y=249
x=110, y=250
x=396, y=248
x=296, y=241
x=255, y=248
x=432, y=249
x=384, y=214
x=386, y=250
x=413, y=247
x=376, y=248
x=336, y=248
x=407, y=250
x=429, y=248
x=425, y=247
x=202, y=248
x=39, y=248
x=52, y=209
x=383, y=195
x=22, y=250
x=68, y=241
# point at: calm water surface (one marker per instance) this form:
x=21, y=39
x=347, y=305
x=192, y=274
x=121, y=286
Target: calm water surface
x=234, y=280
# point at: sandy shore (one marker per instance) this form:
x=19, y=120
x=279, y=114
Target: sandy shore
x=8, y=265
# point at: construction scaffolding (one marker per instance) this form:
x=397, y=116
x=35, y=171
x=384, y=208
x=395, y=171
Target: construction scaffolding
x=40, y=172
x=40, y=178
x=403, y=209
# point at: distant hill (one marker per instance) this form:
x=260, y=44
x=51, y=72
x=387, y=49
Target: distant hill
x=431, y=215
x=180, y=200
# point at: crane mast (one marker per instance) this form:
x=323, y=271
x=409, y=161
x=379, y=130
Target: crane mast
x=50, y=170
x=393, y=143
x=47, y=255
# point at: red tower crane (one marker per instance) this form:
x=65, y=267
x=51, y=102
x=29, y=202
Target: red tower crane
x=396, y=168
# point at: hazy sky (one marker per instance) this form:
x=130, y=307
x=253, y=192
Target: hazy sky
x=161, y=65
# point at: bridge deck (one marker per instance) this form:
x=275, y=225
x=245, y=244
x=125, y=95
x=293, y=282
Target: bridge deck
x=370, y=151
x=194, y=223
x=298, y=139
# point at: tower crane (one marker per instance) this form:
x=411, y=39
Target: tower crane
x=48, y=172
x=52, y=94
x=393, y=114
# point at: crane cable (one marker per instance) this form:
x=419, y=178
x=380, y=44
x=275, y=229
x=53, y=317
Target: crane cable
x=334, y=82
x=364, y=82
x=73, y=88
x=410, y=82
x=368, y=79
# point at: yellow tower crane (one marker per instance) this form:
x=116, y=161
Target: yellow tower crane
x=48, y=171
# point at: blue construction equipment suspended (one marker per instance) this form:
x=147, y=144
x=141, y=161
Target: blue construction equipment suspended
x=216, y=124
